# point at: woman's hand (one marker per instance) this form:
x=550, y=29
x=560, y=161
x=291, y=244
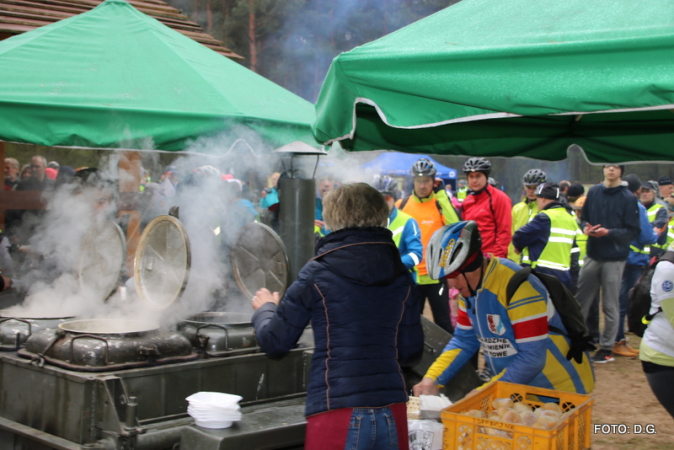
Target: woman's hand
x=426, y=386
x=264, y=296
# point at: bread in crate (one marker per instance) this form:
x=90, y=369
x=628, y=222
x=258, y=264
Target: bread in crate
x=506, y=416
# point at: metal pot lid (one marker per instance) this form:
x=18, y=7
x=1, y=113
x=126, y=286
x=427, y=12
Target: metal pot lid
x=221, y=318
x=101, y=261
x=162, y=263
x=18, y=314
x=107, y=326
x=259, y=260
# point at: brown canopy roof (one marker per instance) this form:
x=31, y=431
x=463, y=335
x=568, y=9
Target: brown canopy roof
x=19, y=16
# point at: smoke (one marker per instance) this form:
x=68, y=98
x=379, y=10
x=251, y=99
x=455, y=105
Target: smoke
x=55, y=269
x=72, y=249
x=315, y=34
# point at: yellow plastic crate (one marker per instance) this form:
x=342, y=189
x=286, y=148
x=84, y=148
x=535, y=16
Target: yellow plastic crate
x=469, y=433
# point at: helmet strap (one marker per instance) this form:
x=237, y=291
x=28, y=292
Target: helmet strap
x=472, y=291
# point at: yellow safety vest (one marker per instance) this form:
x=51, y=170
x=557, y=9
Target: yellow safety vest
x=557, y=252
x=522, y=213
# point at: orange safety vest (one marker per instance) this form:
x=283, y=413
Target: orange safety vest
x=429, y=219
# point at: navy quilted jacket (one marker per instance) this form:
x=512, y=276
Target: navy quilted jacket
x=365, y=313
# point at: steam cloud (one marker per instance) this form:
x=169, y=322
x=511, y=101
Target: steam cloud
x=55, y=285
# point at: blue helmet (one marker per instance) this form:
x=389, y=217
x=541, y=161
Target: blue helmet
x=386, y=185
x=454, y=249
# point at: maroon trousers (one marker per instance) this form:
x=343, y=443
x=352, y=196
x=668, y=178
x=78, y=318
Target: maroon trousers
x=329, y=430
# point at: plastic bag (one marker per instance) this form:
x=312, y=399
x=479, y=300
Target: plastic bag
x=425, y=434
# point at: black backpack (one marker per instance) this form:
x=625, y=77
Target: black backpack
x=567, y=307
x=639, y=298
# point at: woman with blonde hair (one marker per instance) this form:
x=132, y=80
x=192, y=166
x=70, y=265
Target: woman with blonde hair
x=364, y=310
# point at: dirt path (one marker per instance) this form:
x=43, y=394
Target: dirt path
x=622, y=396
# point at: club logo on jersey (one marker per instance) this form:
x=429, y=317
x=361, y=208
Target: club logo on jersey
x=667, y=286
x=495, y=324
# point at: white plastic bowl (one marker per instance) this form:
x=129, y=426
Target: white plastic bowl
x=214, y=409
x=213, y=424
x=213, y=399
x=210, y=415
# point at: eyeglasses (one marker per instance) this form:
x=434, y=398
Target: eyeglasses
x=35, y=166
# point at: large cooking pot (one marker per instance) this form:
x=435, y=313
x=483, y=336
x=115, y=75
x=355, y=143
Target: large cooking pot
x=220, y=333
x=97, y=345
x=14, y=331
x=100, y=263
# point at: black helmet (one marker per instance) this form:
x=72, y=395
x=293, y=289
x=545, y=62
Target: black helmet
x=386, y=185
x=534, y=177
x=423, y=168
x=477, y=165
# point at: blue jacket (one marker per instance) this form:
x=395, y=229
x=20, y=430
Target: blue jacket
x=270, y=199
x=616, y=210
x=646, y=237
x=535, y=235
x=365, y=313
x=410, y=247
x=515, y=338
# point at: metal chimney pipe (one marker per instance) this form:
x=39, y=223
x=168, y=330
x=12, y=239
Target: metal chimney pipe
x=297, y=203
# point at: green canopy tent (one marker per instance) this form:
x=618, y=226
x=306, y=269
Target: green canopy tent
x=512, y=78
x=114, y=74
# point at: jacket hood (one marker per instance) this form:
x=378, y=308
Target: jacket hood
x=364, y=256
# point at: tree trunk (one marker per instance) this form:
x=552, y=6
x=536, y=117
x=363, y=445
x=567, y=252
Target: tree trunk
x=252, y=41
x=225, y=17
x=209, y=17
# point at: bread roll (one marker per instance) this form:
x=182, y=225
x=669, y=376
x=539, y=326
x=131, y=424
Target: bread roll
x=552, y=407
x=501, y=402
x=475, y=413
x=528, y=418
x=548, y=413
x=511, y=417
x=521, y=407
x=503, y=410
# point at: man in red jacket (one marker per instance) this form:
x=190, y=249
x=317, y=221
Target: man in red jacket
x=489, y=207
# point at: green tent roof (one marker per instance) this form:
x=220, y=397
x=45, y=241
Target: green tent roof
x=512, y=78
x=114, y=74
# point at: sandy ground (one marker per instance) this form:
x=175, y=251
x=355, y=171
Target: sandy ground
x=623, y=398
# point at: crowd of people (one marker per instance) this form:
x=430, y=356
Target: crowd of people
x=472, y=242
x=458, y=249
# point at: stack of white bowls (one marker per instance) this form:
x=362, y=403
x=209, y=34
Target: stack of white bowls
x=214, y=409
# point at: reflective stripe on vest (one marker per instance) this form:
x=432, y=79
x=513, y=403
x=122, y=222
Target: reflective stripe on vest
x=670, y=235
x=645, y=251
x=653, y=211
x=581, y=242
x=398, y=225
x=557, y=252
